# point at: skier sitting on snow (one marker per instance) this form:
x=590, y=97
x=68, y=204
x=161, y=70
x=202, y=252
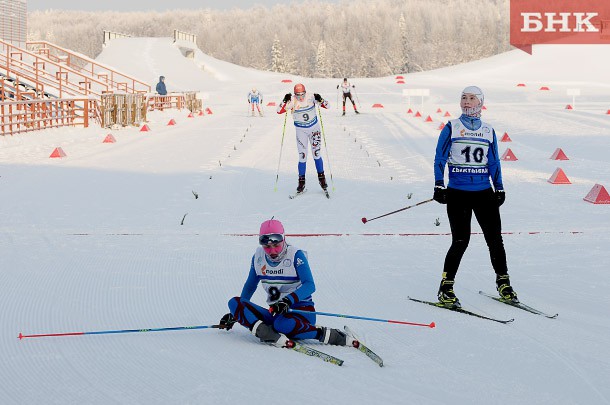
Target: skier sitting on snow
x=347, y=93
x=283, y=271
x=255, y=98
x=303, y=109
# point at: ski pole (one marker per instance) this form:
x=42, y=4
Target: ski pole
x=326, y=148
x=106, y=332
x=277, y=175
x=429, y=325
x=364, y=220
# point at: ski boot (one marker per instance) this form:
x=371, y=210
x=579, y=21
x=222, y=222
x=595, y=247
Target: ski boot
x=505, y=290
x=446, y=296
x=322, y=180
x=356, y=111
x=335, y=337
x=268, y=335
x=301, y=186
x=343, y=113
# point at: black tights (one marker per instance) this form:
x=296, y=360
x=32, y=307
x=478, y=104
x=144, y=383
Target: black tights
x=460, y=206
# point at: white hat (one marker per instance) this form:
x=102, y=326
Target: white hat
x=476, y=91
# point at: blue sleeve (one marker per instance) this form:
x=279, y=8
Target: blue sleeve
x=251, y=283
x=493, y=163
x=442, y=154
x=307, y=287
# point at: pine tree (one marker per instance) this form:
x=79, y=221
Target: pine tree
x=322, y=65
x=277, y=56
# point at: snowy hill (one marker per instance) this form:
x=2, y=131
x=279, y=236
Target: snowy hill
x=94, y=242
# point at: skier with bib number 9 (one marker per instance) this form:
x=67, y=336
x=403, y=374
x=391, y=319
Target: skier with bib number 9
x=283, y=271
x=470, y=149
x=303, y=109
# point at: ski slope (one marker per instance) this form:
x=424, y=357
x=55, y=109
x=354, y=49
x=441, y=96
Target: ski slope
x=94, y=242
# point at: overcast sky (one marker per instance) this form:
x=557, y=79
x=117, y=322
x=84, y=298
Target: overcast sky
x=146, y=5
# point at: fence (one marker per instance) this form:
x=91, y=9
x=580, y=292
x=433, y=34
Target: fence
x=31, y=115
x=179, y=101
x=122, y=109
x=109, y=36
x=184, y=36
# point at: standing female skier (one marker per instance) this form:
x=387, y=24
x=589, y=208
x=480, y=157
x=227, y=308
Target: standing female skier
x=470, y=148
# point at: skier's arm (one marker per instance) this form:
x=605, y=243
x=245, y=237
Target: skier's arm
x=285, y=105
x=493, y=163
x=308, y=286
x=323, y=103
x=251, y=283
x=442, y=154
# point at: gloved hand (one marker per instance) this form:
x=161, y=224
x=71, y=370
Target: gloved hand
x=337, y=86
x=354, y=86
x=227, y=321
x=500, y=197
x=440, y=194
x=317, y=97
x=280, y=306
x=287, y=98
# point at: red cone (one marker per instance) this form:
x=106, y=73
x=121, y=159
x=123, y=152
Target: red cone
x=172, y=122
x=109, y=139
x=144, y=128
x=598, y=195
x=509, y=156
x=58, y=153
x=559, y=155
x=377, y=105
x=505, y=138
x=559, y=177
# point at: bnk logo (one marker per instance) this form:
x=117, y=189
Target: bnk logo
x=559, y=22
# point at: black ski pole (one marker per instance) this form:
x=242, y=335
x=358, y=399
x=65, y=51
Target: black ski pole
x=364, y=220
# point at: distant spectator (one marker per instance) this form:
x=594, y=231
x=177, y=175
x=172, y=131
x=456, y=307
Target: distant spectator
x=160, y=89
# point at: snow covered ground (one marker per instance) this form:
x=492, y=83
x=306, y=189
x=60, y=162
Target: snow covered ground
x=94, y=241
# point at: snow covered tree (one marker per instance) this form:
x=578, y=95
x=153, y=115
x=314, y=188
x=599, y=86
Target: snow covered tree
x=277, y=56
x=322, y=65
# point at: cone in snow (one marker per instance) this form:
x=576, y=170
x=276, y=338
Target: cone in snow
x=58, y=153
x=559, y=177
x=447, y=114
x=190, y=115
x=428, y=119
x=569, y=107
x=417, y=114
x=109, y=139
x=172, y=122
x=144, y=128
x=271, y=104
x=208, y=111
x=410, y=111
x=377, y=105
x=559, y=155
x=509, y=156
x=608, y=112
x=200, y=113
x=441, y=126
x=286, y=81
x=400, y=82
x=598, y=195
x=438, y=110
x=399, y=77
x=521, y=85
x=483, y=108
x=505, y=138
x=544, y=88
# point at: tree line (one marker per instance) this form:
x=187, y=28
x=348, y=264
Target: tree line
x=355, y=38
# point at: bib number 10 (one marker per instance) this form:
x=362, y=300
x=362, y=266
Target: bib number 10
x=475, y=154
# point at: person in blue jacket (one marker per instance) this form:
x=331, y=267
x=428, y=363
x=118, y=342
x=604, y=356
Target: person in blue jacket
x=283, y=271
x=161, y=86
x=470, y=149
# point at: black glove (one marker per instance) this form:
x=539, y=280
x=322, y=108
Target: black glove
x=317, y=97
x=337, y=86
x=280, y=307
x=227, y=321
x=287, y=98
x=500, y=197
x=440, y=194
